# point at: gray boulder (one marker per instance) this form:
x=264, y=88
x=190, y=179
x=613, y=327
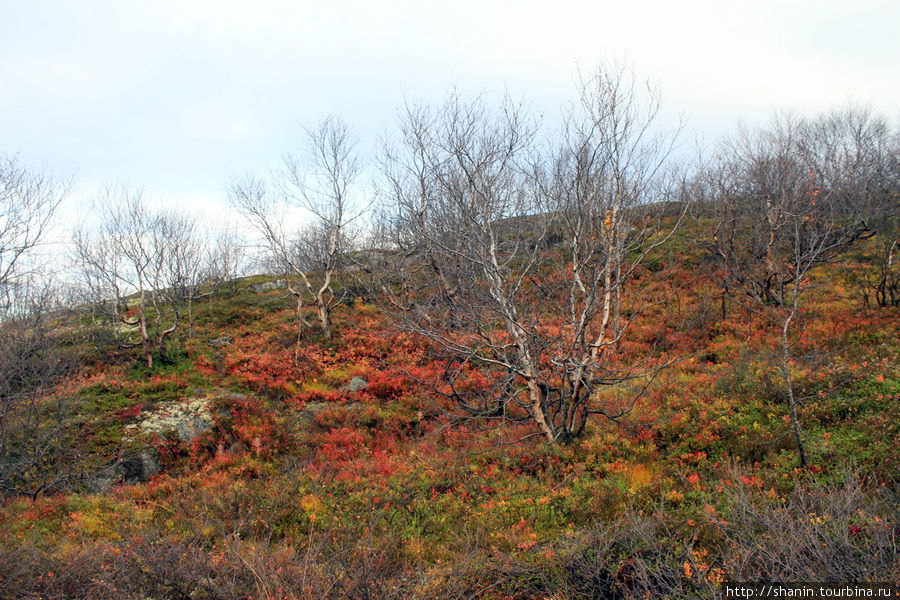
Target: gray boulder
x=221, y=342
x=138, y=468
x=268, y=286
x=356, y=384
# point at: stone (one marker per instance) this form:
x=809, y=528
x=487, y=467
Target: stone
x=138, y=468
x=312, y=409
x=187, y=418
x=220, y=342
x=356, y=384
x=268, y=286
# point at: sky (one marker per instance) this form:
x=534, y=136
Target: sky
x=179, y=97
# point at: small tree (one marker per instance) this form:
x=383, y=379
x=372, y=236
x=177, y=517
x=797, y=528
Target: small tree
x=320, y=184
x=515, y=260
x=186, y=267
x=32, y=417
x=881, y=272
x=141, y=266
x=225, y=259
x=783, y=210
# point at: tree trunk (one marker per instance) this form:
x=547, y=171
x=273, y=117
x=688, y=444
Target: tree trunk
x=792, y=402
x=145, y=335
x=148, y=347
x=322, y=308
x=324, y=319
x=536, y=396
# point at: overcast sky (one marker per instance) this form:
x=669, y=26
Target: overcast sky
x=178, y=96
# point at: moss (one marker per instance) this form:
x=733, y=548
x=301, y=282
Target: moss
x=103, y=398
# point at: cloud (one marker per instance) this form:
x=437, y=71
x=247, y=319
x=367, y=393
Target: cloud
x=179, y=95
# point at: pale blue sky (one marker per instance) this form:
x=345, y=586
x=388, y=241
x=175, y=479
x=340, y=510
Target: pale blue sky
x=177, y=96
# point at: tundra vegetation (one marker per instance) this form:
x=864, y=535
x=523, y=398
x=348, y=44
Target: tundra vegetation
x=542, y=365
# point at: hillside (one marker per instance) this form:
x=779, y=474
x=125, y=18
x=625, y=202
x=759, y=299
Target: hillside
x=253, y=464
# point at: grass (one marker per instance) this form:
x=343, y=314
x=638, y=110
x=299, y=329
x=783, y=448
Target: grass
x=303, y=488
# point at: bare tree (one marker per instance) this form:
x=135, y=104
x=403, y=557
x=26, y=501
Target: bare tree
x=225, y=258
x=786, y=204
x=28, y=200
x=882, y=273
x=141, y=265
x=254, y=200
x=321, y=185
x=31, y=419
x=609, y=170
x=516, y=261
x=184, y=269
x=855, y=155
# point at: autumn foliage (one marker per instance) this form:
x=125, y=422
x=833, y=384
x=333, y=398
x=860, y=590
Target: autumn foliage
x=284, y=463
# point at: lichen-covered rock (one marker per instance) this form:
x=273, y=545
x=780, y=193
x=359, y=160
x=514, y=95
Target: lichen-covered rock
x=220, y=342
x=356, y=384
x=268, y=286
x=187, y=418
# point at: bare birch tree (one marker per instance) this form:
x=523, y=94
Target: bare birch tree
x=515, y=260
x=31, y=362
x=226, y=258
x=855, y=155
x=320, y=185
x=140, y=266
x=28, y=201
x=787, y=203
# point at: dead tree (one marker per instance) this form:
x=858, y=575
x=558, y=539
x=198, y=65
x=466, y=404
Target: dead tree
x=28, y=201
x=32, y=419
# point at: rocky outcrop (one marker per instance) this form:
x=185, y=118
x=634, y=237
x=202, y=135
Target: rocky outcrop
x=268, y=286
x=186, y=418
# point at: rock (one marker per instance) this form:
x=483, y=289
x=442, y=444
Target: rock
x=188, y=418
x=356, y=384
x=139, y=467
x=268, y=286
x=220, y=342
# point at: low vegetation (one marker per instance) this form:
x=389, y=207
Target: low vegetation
x=300, y=488
x=609, y=397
